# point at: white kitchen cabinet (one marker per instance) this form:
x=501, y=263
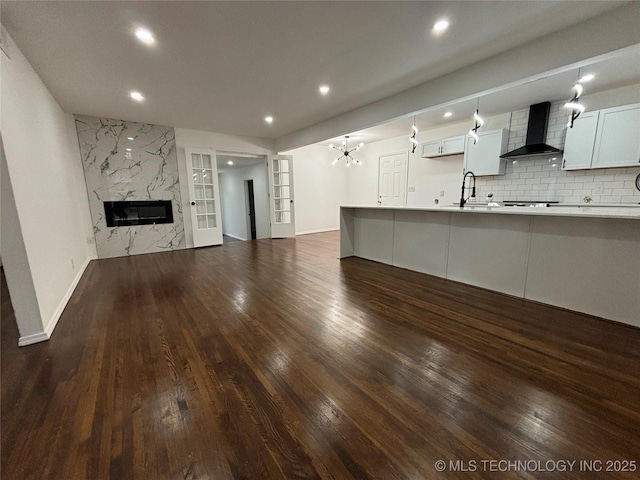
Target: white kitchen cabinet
x=483, y=158
x=453, y=145
x=578, y=147
x=446, y=146
x=617, y=142
x=431, y=149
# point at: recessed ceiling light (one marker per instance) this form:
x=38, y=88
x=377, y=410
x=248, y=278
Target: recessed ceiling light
x=268, y=119
x=230, y=162
x=447, y=114
x=324, y=89
x=145, y=36
x=130, y=138
x=587, y=78
x=128, y=149
x=137, y=96
x=441, y=25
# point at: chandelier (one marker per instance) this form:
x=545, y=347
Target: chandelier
x=346, y=152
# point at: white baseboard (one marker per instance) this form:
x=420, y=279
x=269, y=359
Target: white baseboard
x=233, y=236
x=63, y=303
x=48, y=331
x=321, y=230
x=31, y=339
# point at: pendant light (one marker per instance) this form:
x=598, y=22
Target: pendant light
x=479, y=122
x=346, y=152
x=412, y=138
x=574, y=104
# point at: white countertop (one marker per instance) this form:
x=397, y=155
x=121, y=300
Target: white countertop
x=593, y=211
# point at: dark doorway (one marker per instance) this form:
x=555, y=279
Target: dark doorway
x=251, y=205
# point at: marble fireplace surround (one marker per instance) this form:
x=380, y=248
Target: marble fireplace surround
x=125, y=160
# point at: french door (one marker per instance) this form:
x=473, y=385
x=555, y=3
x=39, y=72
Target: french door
x=281, y=196
x=206, y=218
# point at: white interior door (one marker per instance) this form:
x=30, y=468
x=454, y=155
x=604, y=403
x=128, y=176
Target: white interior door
x=392, y=179
x=206, y=217
x=281, y=196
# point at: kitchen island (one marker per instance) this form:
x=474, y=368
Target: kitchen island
x=585, y=259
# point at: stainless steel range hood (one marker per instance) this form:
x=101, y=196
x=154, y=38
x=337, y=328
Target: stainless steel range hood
x=536, y=134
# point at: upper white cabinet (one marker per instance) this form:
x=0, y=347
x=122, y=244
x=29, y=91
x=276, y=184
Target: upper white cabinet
x=618, y=137
x=578, y=147
x=446, y=146
x=604, y=138
x=483, y=158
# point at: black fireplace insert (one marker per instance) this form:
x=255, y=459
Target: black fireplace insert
x=144, y=212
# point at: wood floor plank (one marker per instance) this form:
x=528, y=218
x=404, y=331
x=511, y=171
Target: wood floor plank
x=275, y=359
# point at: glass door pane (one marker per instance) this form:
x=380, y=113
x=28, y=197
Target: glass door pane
x=282, y=198
x=204, y=200
x=203, y=184
x=281, y=204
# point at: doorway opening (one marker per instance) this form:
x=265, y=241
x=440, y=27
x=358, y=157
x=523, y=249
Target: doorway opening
x=251, y=209
x=244, y=198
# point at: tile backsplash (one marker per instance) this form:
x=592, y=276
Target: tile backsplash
x=541, y=178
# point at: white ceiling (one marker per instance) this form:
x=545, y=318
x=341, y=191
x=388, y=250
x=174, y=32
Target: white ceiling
x=224, y=66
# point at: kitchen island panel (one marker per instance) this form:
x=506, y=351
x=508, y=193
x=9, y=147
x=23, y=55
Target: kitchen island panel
x=490, y=251
x=347, y=234
x=421, y=241
x=587, y=260
x=588, y=266
x=373, y=235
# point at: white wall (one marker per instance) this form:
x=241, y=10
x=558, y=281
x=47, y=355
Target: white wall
x=43, y=164
x=16, y=265
x=212, y=141
x=234, y=201
x=319, y=187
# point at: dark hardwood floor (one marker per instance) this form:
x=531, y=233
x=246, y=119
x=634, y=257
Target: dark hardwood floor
x=273, y=359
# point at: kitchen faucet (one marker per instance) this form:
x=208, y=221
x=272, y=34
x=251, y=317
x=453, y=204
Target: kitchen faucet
x=473, y=189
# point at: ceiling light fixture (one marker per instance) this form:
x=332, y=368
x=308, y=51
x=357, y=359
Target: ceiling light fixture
x=145, y=36
x=346, y=152
x=412, y=138
x=324, y=89
x=587, y=78
x=137, y=96
x=441, y=25
x=268, y=119
x=230, y=162
x=130, y=138
x=479, y=122
x=447, y=114
x=574, y=104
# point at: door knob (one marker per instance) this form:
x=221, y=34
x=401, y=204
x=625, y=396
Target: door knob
x=193, y=203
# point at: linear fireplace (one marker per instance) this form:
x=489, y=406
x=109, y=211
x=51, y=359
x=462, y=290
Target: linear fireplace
x=145, y=212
